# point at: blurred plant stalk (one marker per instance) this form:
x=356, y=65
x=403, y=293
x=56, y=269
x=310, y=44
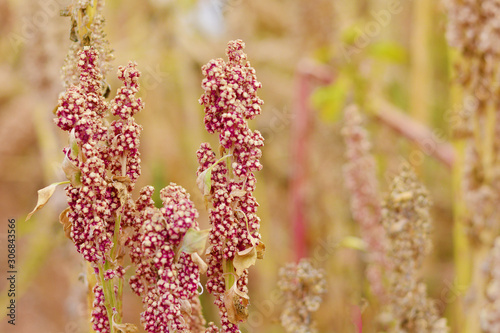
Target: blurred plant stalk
x=421, y=75
x=472, y=33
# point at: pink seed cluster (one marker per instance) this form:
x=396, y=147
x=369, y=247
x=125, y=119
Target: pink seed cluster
x=166, y=278
x=230, y=99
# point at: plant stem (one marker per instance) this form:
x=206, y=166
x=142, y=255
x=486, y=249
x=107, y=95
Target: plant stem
x=108, y=295
x=228, y=273
x=115, y=236
x=91, y=282
x=119, y=306
x=421, y=67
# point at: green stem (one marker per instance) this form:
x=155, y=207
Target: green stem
x=120, y=298
x=108, y=298
x=461, y=243
x=115, y=236
x=229, y=165
x=228, y=273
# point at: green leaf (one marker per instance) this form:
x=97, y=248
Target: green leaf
x=388, y=51
x=330, y=100
x=350, y=34
x=353, y=243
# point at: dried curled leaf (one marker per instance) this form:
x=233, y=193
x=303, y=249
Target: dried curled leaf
x=202, y=265
x=244, y=259
x=238, y=193
x=194, y=241
x=43, y=197
x=66, y=223
x=204, y=181
x=125, y=328
x=73, y=174
x=261, y=249
x=185, y=307
x=123, y=179
x=73, y=144
x=236, y=303
x=121, y=183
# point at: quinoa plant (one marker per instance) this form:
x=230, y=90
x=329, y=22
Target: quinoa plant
x=227, y=180
x=406, y=220
x=490, y=309
x=303, y=287
x=362, y=183
x=165, y=245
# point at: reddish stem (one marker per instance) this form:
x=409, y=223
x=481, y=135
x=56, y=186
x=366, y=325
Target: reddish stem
x=301, y=125
x=416, y=132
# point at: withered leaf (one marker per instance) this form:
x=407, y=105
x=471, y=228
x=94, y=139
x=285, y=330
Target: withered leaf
x=125, y=328
x=73, y=144
x=261, y=249
x=198, y=261
x=66, y=223
x=121, y=187
x=204, y=181
x=185, y=307
x=244, y=259
x=73, y=174
x=238, y=193
x=43, y=197
x=236, y=303
x=194, y=241
x=123, y=179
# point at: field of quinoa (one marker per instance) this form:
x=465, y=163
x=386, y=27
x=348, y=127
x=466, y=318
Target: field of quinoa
x=286, y=166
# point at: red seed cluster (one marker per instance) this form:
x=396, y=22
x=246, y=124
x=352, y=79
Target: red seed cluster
x=94, y=150
x=165, y=281
x=230, y=99
x=81, y=107
x=124, y=133
x=100, y=321
x=97, y=159
x=229, y=84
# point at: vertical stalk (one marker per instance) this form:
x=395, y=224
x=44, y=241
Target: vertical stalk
x=91, y=282
x=229, y=278
x=108, y=295
x=119, y=305
x=300, y=135
x=461, y=245
x=420, y=63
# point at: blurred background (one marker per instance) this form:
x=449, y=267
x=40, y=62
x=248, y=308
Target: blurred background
x=313, y=58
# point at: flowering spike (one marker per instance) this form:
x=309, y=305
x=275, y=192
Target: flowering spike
x=230, y=99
